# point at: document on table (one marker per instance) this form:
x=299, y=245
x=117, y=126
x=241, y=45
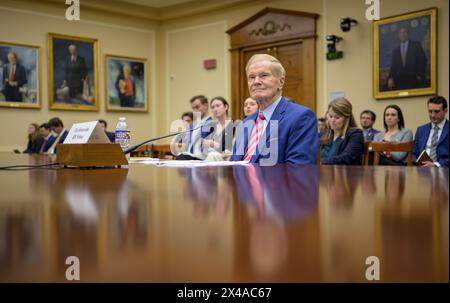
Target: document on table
x=143, y=159
x=187, y=163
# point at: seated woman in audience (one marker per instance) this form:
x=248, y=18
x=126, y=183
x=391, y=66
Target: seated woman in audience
x=342, y=142
x=219, y=143
x=250, y=106
x=35, y=139
x=395, y=131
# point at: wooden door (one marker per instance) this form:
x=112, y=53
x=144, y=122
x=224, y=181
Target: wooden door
x=287, y=35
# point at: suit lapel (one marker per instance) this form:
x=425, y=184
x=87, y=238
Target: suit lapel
x=444, y=133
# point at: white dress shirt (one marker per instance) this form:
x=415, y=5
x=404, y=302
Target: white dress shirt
x=428, y=146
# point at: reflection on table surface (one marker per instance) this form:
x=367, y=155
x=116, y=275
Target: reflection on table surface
x=286, y=223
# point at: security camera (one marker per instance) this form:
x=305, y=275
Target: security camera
x=333, y=39
x=347, y=23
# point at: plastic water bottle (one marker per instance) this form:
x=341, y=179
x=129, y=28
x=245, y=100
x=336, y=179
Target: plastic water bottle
x=123, y=135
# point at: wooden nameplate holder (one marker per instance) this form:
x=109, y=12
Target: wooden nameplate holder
x=90, y=155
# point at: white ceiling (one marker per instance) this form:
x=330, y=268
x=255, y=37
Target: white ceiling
x=157, y=3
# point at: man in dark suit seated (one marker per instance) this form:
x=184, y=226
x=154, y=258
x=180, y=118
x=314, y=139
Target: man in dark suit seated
x=14, y=77
x=111, y=136
x=57, y=127
x=433, y=137
x=367, y=120
x=49, y=138
x=408, y=63
x=280, y=131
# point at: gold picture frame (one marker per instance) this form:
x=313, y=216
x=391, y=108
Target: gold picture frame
x=26, y=76
x=404, y=55
x=115, y=69
x=73, y=65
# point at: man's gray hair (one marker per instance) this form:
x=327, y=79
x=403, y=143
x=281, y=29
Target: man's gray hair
x=275, y=65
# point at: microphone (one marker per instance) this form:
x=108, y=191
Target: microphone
x=134, y=147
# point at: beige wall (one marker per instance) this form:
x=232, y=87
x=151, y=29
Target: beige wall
x=176, y=49
x=186, y=48
x=114, y=38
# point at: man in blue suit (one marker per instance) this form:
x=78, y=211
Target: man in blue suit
x=367, y=120
x=49, y=138
x=111, y=136
x=14, y=77
x=433, y=137
x=57, y=127
x=280, y=131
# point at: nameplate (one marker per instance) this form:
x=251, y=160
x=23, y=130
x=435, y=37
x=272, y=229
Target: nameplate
x=86, y=132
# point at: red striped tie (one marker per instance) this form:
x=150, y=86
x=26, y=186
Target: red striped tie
x=11, y=73
x=254, y=138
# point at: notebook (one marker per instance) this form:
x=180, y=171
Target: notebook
x=423, y=157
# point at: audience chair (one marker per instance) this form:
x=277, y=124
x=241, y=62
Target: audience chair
x=378, y=147
x=161, y=151
x=367, y=149
x=142, y=151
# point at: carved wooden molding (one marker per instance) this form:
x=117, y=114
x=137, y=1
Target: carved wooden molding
x=271, y=25
x=270, y=28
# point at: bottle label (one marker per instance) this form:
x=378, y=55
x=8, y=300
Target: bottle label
x=123, y=138
x=122, y=134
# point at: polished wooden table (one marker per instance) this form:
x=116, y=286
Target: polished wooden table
x=286, y=223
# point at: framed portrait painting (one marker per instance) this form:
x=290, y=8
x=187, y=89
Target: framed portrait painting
x=404, y=55
x=73, y=72
x=126, y=84
x=20, y=83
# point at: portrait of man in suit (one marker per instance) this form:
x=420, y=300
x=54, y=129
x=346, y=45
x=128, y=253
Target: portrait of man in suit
x=73, y=72
x=14, y=78
x=405, y=55
x=19, y=75
x=408, y=64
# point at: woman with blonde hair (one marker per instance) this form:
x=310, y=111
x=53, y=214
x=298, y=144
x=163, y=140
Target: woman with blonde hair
x=342, y=142
x=35, y=139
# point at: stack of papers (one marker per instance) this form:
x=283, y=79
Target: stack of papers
x=185, y=163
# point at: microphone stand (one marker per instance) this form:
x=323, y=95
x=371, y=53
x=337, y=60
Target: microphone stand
x=134, y=147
